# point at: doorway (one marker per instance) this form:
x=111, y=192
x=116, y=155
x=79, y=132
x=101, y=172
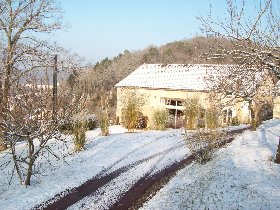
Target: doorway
x=176, y=118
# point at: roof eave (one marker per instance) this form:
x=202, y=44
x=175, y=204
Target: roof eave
x=172, y=89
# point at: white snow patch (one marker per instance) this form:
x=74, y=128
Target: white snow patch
x=101, y=155
x=241, y=176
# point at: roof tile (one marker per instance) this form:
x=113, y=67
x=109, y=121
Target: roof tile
x=172, y=76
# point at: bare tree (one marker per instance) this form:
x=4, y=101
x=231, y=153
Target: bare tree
x=254, y=46
x=31, y=124
x=255, y=40
x=27, y=63
x=22, y=22
x=247, y=85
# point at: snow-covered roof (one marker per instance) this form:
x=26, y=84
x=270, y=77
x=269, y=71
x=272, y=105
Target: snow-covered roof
x=172, y=76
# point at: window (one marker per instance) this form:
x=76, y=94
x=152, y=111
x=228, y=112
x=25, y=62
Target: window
x=227, y=116
x=179, y=103
x=229, y=94
x=224, y=114
x=172, y=102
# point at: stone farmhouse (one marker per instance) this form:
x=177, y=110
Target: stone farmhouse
x=168, y=86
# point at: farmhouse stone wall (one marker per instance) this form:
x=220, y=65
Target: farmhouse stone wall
x=155, y=101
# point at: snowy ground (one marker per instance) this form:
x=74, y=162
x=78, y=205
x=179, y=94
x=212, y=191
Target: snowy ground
x=151, y=150
x=241, y=176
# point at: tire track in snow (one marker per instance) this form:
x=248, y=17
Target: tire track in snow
x=71, y=196
x=141, y=147
x=113, y=193
x=106, y=145
x=133, y=194
x=147, y=187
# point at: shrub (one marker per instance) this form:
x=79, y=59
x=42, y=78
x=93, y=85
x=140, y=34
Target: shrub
x=203, y=143
x=235, y=121
x=91, y=121
x=104, y=124
x=160, y=119
x=142, y=121
x=79, y=130
x=201, y=119
x=212, y=117
x=192, y=111
x=65, y=126
x=132, y=109
x=130, y=116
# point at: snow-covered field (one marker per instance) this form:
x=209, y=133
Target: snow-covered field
x=241, y=176
x=151, y=150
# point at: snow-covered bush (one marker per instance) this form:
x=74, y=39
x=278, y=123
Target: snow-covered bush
x=205, y=140
x=203, y=143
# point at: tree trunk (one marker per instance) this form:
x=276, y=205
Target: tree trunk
x=277, y=159
x=13, y=150
x=6, y=94
x=253, y=117
x=3, y=146
x=2, y=141
x=30, y=163
x=254, y=124
x=29, y=173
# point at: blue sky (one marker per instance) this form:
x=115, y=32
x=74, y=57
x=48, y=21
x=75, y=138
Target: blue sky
x=104, y=28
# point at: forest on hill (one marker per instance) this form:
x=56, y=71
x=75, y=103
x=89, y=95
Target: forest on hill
x=98, y=80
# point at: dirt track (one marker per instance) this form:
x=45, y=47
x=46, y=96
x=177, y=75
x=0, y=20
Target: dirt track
x=141, y=191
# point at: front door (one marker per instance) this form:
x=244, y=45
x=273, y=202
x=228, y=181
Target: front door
x=176, y=119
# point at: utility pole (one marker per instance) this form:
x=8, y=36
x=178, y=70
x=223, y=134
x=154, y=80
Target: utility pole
x=277, y=159
x=3, y=143
x=54, y=99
